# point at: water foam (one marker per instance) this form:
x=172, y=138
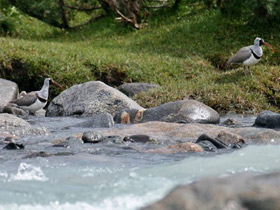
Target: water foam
x=28, y=172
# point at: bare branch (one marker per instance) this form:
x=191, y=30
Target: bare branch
x=136, y=25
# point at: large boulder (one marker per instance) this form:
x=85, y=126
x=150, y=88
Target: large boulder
x=11, y=125
x=164, y=131
x=182, y=111
x=268, y=119
x=8, y=92
x=242, y=191
x=88, y=99
x=131, y=89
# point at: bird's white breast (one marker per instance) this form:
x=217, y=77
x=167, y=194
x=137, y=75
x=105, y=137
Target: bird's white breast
x=35, y=106
x=251, y=61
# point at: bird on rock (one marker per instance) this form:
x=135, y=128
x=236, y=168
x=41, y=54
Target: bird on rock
x=250, y=55
x=35, y=100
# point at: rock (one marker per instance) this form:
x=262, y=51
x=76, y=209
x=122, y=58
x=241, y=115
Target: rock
x=8, y=92
x=12, y=125
x=131, y=89
x=217, y=143
x=230, y=138
x=15, y=110
x=163, y=131
x=207, y=146
x=241, y=191
x=103, y=120
x=185, y=110
x=224, y=140
x=14, y=146
x=92, y=137
x=139, y=139
x=268, y=119
x=88, y=99
x=127, y=116
x=231, y=122
x=45, y=154
x=176, y=148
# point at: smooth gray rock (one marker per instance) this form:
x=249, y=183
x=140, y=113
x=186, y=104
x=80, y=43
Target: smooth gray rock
x=131, y=89
x=103, y=120
x=15, y=110
x=268, y=119
x=238, y=192
x=8, y=92
x=88, y=99
x=182, y=111
x=92, y=137
x=11, y=125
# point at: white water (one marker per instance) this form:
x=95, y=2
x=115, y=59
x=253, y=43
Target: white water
x=95, y=182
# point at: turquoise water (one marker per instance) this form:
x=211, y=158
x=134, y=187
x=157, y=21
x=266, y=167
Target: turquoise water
x=119, y=182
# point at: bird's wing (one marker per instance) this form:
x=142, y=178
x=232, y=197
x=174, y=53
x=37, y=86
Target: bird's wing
x=26, y=100
x=243, y=54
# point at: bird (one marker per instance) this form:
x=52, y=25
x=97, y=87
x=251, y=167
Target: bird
x=249, y=55
x=35, y=100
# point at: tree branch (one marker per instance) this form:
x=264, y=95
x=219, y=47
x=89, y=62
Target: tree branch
x=158, y=6
x=83, y=8
x=136, y=25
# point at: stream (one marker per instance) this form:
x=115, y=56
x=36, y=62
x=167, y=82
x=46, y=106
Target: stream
x=110, y=177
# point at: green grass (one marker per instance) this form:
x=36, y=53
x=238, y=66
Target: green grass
x=179, y=51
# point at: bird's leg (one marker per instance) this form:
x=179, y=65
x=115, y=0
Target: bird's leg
x=250, y=70
x=244, y=67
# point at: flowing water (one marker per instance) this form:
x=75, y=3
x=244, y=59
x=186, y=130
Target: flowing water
x=112, y=180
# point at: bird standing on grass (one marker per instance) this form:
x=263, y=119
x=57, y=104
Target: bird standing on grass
x=35, y=100
x=250, y=55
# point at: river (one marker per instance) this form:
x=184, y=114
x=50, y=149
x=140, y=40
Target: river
x=111, y=179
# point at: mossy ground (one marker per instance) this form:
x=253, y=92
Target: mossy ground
x=184, y=52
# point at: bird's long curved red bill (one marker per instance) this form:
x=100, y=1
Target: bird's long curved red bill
x=58, y=85
x=270, y=47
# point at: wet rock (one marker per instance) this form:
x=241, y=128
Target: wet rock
x=241, y=191
x=163, y=131
x=103, y=120
x=37, y=154
x=70, y=142
x=224, y=140
x=14, y=146
x=131, y=89
x=207, y=146
x=45, y=154
x=230, y=138
x=10, y=124
x=15, y=110
x=189, y=111
x=139, y=139
x=178, y=148
x=8, y=92
x=217, y=143
x=231, y=122
x=268, y=119
x=92, y=137
x=113, y=140
x=88, y=99
x=127, y=116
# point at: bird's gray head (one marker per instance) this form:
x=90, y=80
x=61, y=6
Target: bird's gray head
x=258, y=41
x=47, y=81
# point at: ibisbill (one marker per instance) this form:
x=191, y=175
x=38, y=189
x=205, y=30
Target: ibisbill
x=250, y=55
x=35, y=100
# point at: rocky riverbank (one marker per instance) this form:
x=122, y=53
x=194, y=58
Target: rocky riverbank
x=95, y=118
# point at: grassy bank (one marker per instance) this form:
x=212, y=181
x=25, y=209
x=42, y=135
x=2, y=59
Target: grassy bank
x=185, y=53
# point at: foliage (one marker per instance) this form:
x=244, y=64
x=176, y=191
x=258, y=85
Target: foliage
x=179, y=52
x=256, y=10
